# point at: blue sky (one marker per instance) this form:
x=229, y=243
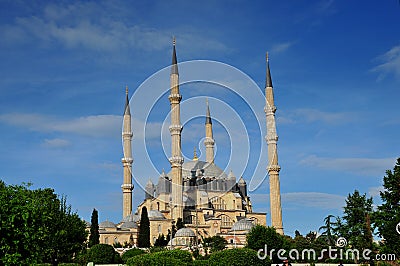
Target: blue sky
x=335, y=67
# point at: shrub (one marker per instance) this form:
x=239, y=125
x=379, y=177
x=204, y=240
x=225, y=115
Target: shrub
x=200, y=263
x=153, y=259
x=103, y=253
x=237, y=257
x=131, y=253
x=182, y=255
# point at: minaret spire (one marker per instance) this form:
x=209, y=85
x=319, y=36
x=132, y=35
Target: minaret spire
x=127, y=160
x=209, y=141
x=175, y=129
x=273, y=166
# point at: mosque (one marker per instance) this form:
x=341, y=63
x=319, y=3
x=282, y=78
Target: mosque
x=209, y=201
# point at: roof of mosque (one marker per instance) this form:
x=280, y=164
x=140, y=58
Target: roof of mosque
x=107, y=224
x=207, y=169
x=243, y=225
x=185, y=232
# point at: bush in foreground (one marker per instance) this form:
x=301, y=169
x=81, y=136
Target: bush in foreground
x=131, y=253
x=237, y=257
x=162, y=258
x=103, y=253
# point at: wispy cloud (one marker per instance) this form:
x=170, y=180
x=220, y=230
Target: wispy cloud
x=375, y=191
x=89, y=26
x=314, y=199
x=358, y=166
x=281, y=47
x=56, y=143
x=390, y=63
x=310, y=115
x=94, y=126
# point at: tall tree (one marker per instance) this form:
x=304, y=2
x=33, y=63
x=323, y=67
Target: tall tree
x=355, y=227
x=94, y=237
x=328, y=229
x=144, y=230
x=387, y=217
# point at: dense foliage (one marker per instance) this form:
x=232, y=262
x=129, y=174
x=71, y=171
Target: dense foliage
x=131, y=253
x=103, y=254
x=37, y=226
x=144, y=230
x=237, y=257
x=261, y=236
x=214, y=243
x=387, y=217
x=94, y=237
x=167, y=257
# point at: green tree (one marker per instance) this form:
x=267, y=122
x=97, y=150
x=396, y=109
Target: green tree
x=387, y=216
x=237, y=257
x=261, y=236
x=355, y=227
x=131, y=253
x=161, y=241
x=103, y=254
x=144, y=230
x=214, y=243
x=37, y=226
x=94, y=237
x=328, y=229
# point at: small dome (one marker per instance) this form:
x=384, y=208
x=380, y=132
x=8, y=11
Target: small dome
x=131, y=218
x=149, y=183
x=185, y=232
x=87, y=223
x=243, y=225
x=155, y=215
x=129, y=225
x=107, y=224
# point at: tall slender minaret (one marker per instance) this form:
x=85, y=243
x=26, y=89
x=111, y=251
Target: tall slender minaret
x=175, y=129
x=273, y=167
x=209, y=141
x=127, y=160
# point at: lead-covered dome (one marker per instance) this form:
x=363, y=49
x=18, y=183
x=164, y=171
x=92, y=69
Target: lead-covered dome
x=155, y=215
x=243, y=225
x=107, y=224
x=185, y=232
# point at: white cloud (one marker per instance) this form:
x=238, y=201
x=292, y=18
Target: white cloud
x=90, y=26
x=310, y=115
x=281, y=47
x=375, y=191
x=359, y=166
x=56, y=143
x=94, y=126
x=314, y=199
x=390, y=63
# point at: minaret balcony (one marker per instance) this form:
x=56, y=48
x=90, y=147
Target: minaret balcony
x=127, y=187
x=176, y=161
x=127, y=161
x=175, y=129
x=270, y=110
x=273, y=168
x=175, y=98
x=209, y=142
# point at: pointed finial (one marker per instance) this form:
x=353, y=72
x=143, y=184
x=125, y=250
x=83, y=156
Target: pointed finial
x=208, y=116
x=268, y=81
x=126, y=89
x=173, y=41
x=127, y=108
x=195, y=158
x=174, y=67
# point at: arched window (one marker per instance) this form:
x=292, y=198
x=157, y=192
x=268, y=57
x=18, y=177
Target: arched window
x=191, y=219
x=159, y=228
x=226, y=221
x=158, y=206
x=217, y=203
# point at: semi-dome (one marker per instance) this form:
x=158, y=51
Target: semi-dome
x=243, y=225
x=131, y=218
x=107, y=224
x=155, y=215
x=129, y=225
x=185, y=232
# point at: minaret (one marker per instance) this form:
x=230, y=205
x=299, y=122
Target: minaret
x=209, y=141
x=127, y=160
x=175, y=129
x=273, y=167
